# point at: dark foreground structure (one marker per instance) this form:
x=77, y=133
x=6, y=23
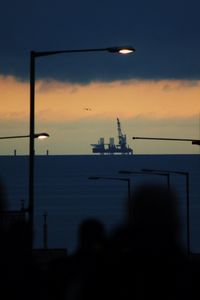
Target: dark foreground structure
x=143, y=257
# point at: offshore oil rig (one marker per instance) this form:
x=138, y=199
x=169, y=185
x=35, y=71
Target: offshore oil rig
x=111, y=148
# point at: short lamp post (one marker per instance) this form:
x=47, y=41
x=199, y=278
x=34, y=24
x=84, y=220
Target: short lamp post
x=33, y=56
x=42, y=135
x=193, y=141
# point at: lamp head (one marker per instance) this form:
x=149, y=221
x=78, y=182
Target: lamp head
x=196, y=142
x=41, y=136
x=121, y=50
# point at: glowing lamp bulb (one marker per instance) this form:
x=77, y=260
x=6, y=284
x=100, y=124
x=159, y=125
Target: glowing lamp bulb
x=125, y=51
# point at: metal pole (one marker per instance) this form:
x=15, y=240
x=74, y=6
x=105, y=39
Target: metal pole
x=188, y=213
x=33, y=55
x=168, y=181
x=194, y=141
x=129, y=199
x=45, y=232
x=129, y=190
x=31, y=146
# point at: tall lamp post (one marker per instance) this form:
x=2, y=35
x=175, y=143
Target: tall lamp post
x=33, y=56
x=186, y=174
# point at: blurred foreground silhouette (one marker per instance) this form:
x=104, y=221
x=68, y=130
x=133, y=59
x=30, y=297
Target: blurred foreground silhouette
x=142, y=258
x=19, y=276
x=83, y=264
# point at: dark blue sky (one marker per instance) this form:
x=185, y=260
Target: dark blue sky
x=164, y=33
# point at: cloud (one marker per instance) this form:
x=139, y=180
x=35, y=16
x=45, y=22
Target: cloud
x=51, y=85
x=180, y=85
x=59, y=101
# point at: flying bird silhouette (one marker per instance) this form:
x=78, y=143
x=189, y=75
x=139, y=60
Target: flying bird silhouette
x=87, y=108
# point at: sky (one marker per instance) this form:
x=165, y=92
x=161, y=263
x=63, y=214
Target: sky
x=154, y=92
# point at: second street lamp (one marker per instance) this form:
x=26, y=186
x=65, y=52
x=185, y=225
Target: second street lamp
x=42, y=135
x=33, y=56
x=186, y=174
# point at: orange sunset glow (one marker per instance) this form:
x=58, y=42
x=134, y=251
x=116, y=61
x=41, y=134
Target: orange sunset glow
x=58, y=103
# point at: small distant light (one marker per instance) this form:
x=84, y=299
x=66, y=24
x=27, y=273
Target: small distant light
x=125, y=51
x=42, y=136
x=121, y=50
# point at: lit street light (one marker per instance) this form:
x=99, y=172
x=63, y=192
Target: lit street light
x=33, y=56
x=41, y=136
x=186, y=174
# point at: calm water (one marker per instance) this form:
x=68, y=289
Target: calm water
x=63, y=190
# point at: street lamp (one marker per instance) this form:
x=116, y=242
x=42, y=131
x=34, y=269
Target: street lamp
x=194, y=141
x=143, y=172
x=39, y=136
x=186, y=174
x=42, y=135
x=33, y=56
x=115, y=178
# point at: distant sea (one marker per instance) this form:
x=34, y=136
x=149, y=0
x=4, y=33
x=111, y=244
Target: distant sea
x=64, y=192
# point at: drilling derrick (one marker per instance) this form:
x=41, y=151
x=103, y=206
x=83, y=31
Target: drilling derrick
x=121, y=136
x=111, y=148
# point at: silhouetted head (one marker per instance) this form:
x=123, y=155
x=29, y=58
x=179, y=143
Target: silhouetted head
x=91, y=235
x=153, y=216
